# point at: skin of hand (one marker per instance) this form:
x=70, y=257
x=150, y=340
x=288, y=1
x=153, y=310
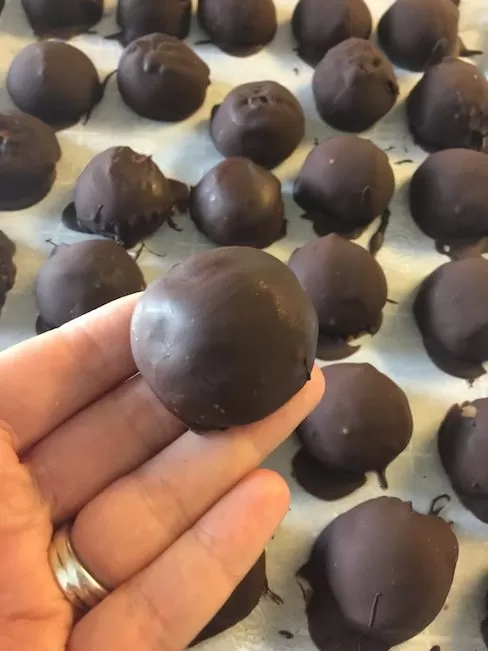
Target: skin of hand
x=170, y=522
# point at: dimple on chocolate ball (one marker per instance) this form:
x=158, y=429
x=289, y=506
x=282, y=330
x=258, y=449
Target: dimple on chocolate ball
x=142, y=17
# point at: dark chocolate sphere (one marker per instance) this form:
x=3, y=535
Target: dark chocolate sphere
x=63, y=18
x=236, y=27
x=54, y=81
x=449, y=107
x=418, y=33
x=346, y=286
x=451, y=309
x=225, y=338
x=141, y=17
x=345, y=182
x=238, y=203
x=318, y=25
x=463, y=448
x=8, y=270
x=354, y=85
x=260, y=120
x=380, y=574
x=78, y=278
x=161, y=78
x=122, y=195
x=240, y=604
x=28, y=155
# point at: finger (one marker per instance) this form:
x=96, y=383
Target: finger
x=165, y=606
x=53, y=376
x=107, y=440
x=142, y=514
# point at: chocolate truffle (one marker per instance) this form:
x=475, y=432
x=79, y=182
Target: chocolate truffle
x=29, y=151
x=347, y=288
x=451, y=310
x=361, y=425
x=463, y=448
x=261, y=120
x=318, y=25
x=354, y=85
x=54, y=81
x=63, y=19
x=122, y=195
x=236, y=27
x=141, y=17
x=78, y=278
x=418, y=33
x=449, y=200
x=225, y=338
x=380, y=574
x=449, y=107
x=238, y=203
x=344, y=184
x=8, y=270
x=240, y=604
x=161, y=78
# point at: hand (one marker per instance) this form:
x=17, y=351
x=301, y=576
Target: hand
x=169, y=521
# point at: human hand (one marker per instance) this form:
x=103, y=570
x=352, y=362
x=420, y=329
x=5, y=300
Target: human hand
x=167, y=520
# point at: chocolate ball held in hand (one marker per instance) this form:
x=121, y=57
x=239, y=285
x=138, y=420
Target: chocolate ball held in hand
x=141, y=17
x=62, y=19
x=225, y=338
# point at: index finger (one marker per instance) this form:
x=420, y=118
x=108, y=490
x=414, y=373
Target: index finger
x=51, y=377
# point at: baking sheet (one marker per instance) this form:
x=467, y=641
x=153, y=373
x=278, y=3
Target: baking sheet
x=185, y=151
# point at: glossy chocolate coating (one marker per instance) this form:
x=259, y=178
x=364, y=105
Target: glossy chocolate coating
x=451, y=310
x=236, y=27
x=380, y=574
x=449, y=107
x=346, y=286
x=62, y=18
x=463, y=448
x=362, y=424
x=318, y=25
x=344, y=184
x=238, y=203
x=8, y=270
x=225, y=338
x=260, y=120
x=122, y=195
x=354, y=85
x=78, y=278
x=449, y=200
x=240, y=604
x=142, y=17
x=161, y=78
x=418, y=33
x=55, y=82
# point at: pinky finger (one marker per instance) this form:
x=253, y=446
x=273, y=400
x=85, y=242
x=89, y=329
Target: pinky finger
x=164, y=607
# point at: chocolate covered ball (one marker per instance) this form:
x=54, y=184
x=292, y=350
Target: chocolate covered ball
x=344, y=184
x=354, y=86
x=8, y=270
x=449, y=200
x=236, y=27
x=225, y=338
x=29, y=152
x=161, y=78
x=449, y=107
x=361, y=425
x=238, y=203
x=451, y=310
x=240, y=604
x=318, y=25
x=55, y=82
x=380, y=574
x=121, y=195
x=78, y=278
x=463, y=448
x=347, y=288
x=141, y=17
x=260, y=120
x=62, y=18
x=418, y=33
